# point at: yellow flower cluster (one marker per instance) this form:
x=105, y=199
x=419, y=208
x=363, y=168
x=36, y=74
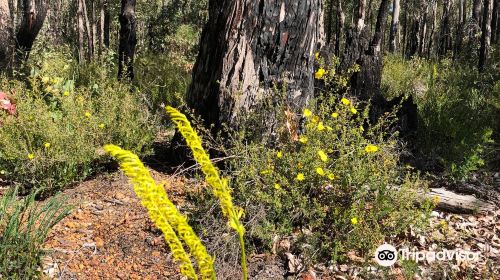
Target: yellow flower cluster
x=165, y=215
x=320, y=73
x=219, y=185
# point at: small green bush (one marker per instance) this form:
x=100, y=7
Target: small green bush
x=55, y=138
x=24, y=225
x=458, y=109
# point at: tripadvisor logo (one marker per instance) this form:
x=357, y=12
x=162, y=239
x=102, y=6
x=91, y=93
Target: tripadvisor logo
x=387, y=255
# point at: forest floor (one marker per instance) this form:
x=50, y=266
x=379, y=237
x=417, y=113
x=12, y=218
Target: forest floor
x=108, y=236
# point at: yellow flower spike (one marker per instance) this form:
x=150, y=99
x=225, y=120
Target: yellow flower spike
x=219, y=185
x=303, y=139
x=46, y=145
x=354, y=220
x=307, y=113
x=335, y=115
x=164, y=214
x=320, y=171
x=279, y=154
x=353, y=110
x=319, y=75
x=345, y=101
x=371, y=148
x=300, y=177
x=31, y=156
x=322, y=156
x=321, y=127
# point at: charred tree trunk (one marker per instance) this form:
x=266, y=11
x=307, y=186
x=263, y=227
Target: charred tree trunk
x=247, y=48
x=476, y=11
x=340, y=27
x=433, y=27
x=422, y=28
x=445, y=36
x=494, y=22
x=394, y=34
x=107, y=23
x=128, y=40
x=330, y=22
x=6, y=39
x=485, y=34
x=360, y=15
x=33, y=16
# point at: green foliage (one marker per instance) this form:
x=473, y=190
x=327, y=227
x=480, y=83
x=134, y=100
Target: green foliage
x=61, y=124
x=24, y=225
x=457, y=109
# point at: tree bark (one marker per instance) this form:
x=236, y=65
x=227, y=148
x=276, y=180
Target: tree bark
x=33, y=16
x=247, y=48
x=128, y=40
x=81, y=31
x=494, y=22
x=360, y=15
x=476, y=11
x=422, y=28
x=340, y=27
x=394, y=34
x=445, y=36
x=90, y=40
x=485, y=34
x=6, y=40
x=433, y=27
x=107, y=23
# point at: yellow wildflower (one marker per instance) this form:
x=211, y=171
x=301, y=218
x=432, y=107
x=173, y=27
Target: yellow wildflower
x=3, y=172
x=265, y=172
x=319, y=75
x=300, y=177
x=88, y=114
x=320, y=171
x=316, y=55
x=354, y=220
x=277, y=186
x=335, y=115
x=219, y=185
x=101, y=125
x=322, y=155
x=345, y=101
x=436, y=199
x=49, y=89
x=46, y=145
x=315, y=119
x=361, y=128
x=31, y=156
x=307, y=113
x=321, y=127
x=353, y=110
x=66, y=93
x=331, y=176
x=371, y=148
x=279, y=154
x=45, y=80
x=164, y=214
x=303, y=139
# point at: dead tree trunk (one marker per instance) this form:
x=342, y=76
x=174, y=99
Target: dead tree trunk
x=340, y=27
x=33, y=16
x=128, y=40
x=107, y=22
x=81, y=31
x=494, y=22
x=445, y=36
x=6, y=40
x=422, y=27
x=247, y=48
x=360, y=15
x=485, y=34
x=394, y=34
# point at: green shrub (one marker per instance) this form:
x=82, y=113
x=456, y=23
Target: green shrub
x=24, y=225
x=458, y=109
x=55, y=138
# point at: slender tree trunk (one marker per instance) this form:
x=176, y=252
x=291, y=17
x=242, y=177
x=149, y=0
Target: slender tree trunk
x=394, y=34
x=81, y=31
x=101, y=27
x=485, y=34
x=379, y=28
x=330, y=22
x=90, y=40
x=445, y=29
x=360, y=15
x=33, y=16
x=433, y=28
x=249, y=47
x=107, y=23
x=494, y=22
x=128, y=40
x=93, y=26
x=476, y=11
x=340, y=27
x=6, y=39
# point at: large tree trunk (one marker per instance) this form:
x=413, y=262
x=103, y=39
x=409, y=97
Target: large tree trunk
x=107, y=22
x=433, y=27
x=445, y=36
x=422, y=27
x=360, y=15
x=33, y=16
x=494, y=22
x=476, y=11
x=128, y=40
x=247, y=48
x=6, y=40
x=394, y=34
x=485, y=34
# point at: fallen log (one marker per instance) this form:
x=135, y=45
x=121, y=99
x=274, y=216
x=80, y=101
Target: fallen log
x=458, y=203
